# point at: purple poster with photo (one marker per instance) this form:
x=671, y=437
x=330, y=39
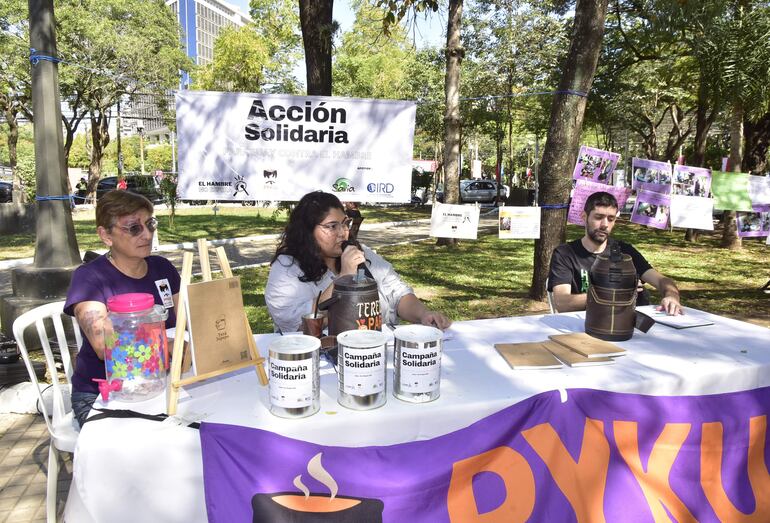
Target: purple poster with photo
x=595, y=164
x=598, y=456
x=651, y=209
x=584, y=189
x=651, y=175
x=753, y=224
x=691, y=181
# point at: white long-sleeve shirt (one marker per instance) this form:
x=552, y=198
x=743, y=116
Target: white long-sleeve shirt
x=288, y=298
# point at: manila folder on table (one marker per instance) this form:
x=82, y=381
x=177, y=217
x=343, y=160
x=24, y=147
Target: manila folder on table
x=217, y=328
x=588, y=346
x=527, y=355
x=572, y=358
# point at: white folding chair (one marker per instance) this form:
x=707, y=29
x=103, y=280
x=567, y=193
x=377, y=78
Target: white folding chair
x=549, y=294
x=60, y=421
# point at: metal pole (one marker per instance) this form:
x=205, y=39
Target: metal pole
x=537, y=168
x=120, y=149
x=141, y=147
x=173, y=152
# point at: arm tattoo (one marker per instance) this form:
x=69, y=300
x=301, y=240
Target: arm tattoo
x=92, y=324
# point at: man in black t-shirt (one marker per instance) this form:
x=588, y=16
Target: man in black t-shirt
x=570, y=262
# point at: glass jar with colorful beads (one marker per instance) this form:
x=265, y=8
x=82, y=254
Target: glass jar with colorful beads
x=136, y=350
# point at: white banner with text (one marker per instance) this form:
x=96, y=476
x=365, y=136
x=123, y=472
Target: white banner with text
x=241, y=146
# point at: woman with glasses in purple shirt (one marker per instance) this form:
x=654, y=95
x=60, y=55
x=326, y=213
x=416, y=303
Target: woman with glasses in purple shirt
x=125, y=224
x=313, y=252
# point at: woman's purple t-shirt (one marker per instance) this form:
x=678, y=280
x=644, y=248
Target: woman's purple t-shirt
x=99, y=280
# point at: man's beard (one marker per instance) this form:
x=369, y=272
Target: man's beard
x=598, y=236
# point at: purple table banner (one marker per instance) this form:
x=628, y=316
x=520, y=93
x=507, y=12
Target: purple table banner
x=584, y=189
x=599, y=456
x=595, y=165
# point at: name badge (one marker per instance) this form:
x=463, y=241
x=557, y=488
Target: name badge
x=164, y=290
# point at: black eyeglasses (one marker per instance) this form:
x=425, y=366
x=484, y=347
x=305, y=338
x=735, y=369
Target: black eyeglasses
x=135, y=229
x=334, y=227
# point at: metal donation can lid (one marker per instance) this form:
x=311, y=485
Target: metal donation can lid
x=294, y=344
x=361, y=339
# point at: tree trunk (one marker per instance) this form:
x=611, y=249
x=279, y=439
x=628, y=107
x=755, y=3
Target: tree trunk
x=452, y=122
x=100, y=138
x=561, y=148
x=11, y=120
x=730, y=238
x=704, y=118
x=317, y=30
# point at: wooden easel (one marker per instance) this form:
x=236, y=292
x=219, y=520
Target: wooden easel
x=181, y=326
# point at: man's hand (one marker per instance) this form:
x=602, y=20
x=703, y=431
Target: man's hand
x=671, y=305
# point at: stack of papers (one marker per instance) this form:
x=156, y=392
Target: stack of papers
x=588, y=346
x=682, y=321
x=576, y=349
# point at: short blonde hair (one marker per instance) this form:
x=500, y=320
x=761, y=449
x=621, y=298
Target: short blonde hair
x=119, y=203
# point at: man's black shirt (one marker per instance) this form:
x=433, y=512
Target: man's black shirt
x=571, y=262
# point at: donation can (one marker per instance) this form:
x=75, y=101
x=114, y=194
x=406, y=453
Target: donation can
x=361, y=369
x=136, y=350
x=417, y=363
x=293, y=370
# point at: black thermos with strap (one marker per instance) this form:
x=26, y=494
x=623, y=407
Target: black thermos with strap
x=611, y=300
x=355, y=301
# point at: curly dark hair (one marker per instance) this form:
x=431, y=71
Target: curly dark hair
x=297, y=239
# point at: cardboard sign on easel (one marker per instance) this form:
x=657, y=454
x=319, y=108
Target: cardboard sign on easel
x=209, y=363
x=218, y=334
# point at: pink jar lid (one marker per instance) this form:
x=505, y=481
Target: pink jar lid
x=131, y=302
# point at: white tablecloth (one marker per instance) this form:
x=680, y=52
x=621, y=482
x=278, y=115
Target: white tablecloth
x=138, y=470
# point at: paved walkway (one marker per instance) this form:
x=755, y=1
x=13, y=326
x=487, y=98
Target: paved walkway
x=257, y=250
x=23, y=468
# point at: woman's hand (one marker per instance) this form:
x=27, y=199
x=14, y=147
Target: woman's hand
x=413, y=310
x=435, y=319
x=351, y=258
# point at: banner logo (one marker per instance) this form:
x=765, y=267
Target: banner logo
x=240, y=185
x=343, y=185
x=380, y=188
x=307, y=506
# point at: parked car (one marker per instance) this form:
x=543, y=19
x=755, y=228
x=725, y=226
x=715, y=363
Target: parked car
x=6, y=192
x=478, y=191
x=144, y=185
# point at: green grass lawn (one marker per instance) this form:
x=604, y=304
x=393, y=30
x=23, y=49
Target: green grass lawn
x=485, y=278
x=191, y=223
x=490, y=277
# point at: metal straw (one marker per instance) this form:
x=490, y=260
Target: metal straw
x=315, y=312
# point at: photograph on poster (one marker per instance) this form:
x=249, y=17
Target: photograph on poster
x=753, y=224
x=691, y=181
x=651, y=175
x=595, y=164
x=651, y=209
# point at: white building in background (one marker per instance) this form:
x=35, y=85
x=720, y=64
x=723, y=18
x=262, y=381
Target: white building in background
x=201, y=22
